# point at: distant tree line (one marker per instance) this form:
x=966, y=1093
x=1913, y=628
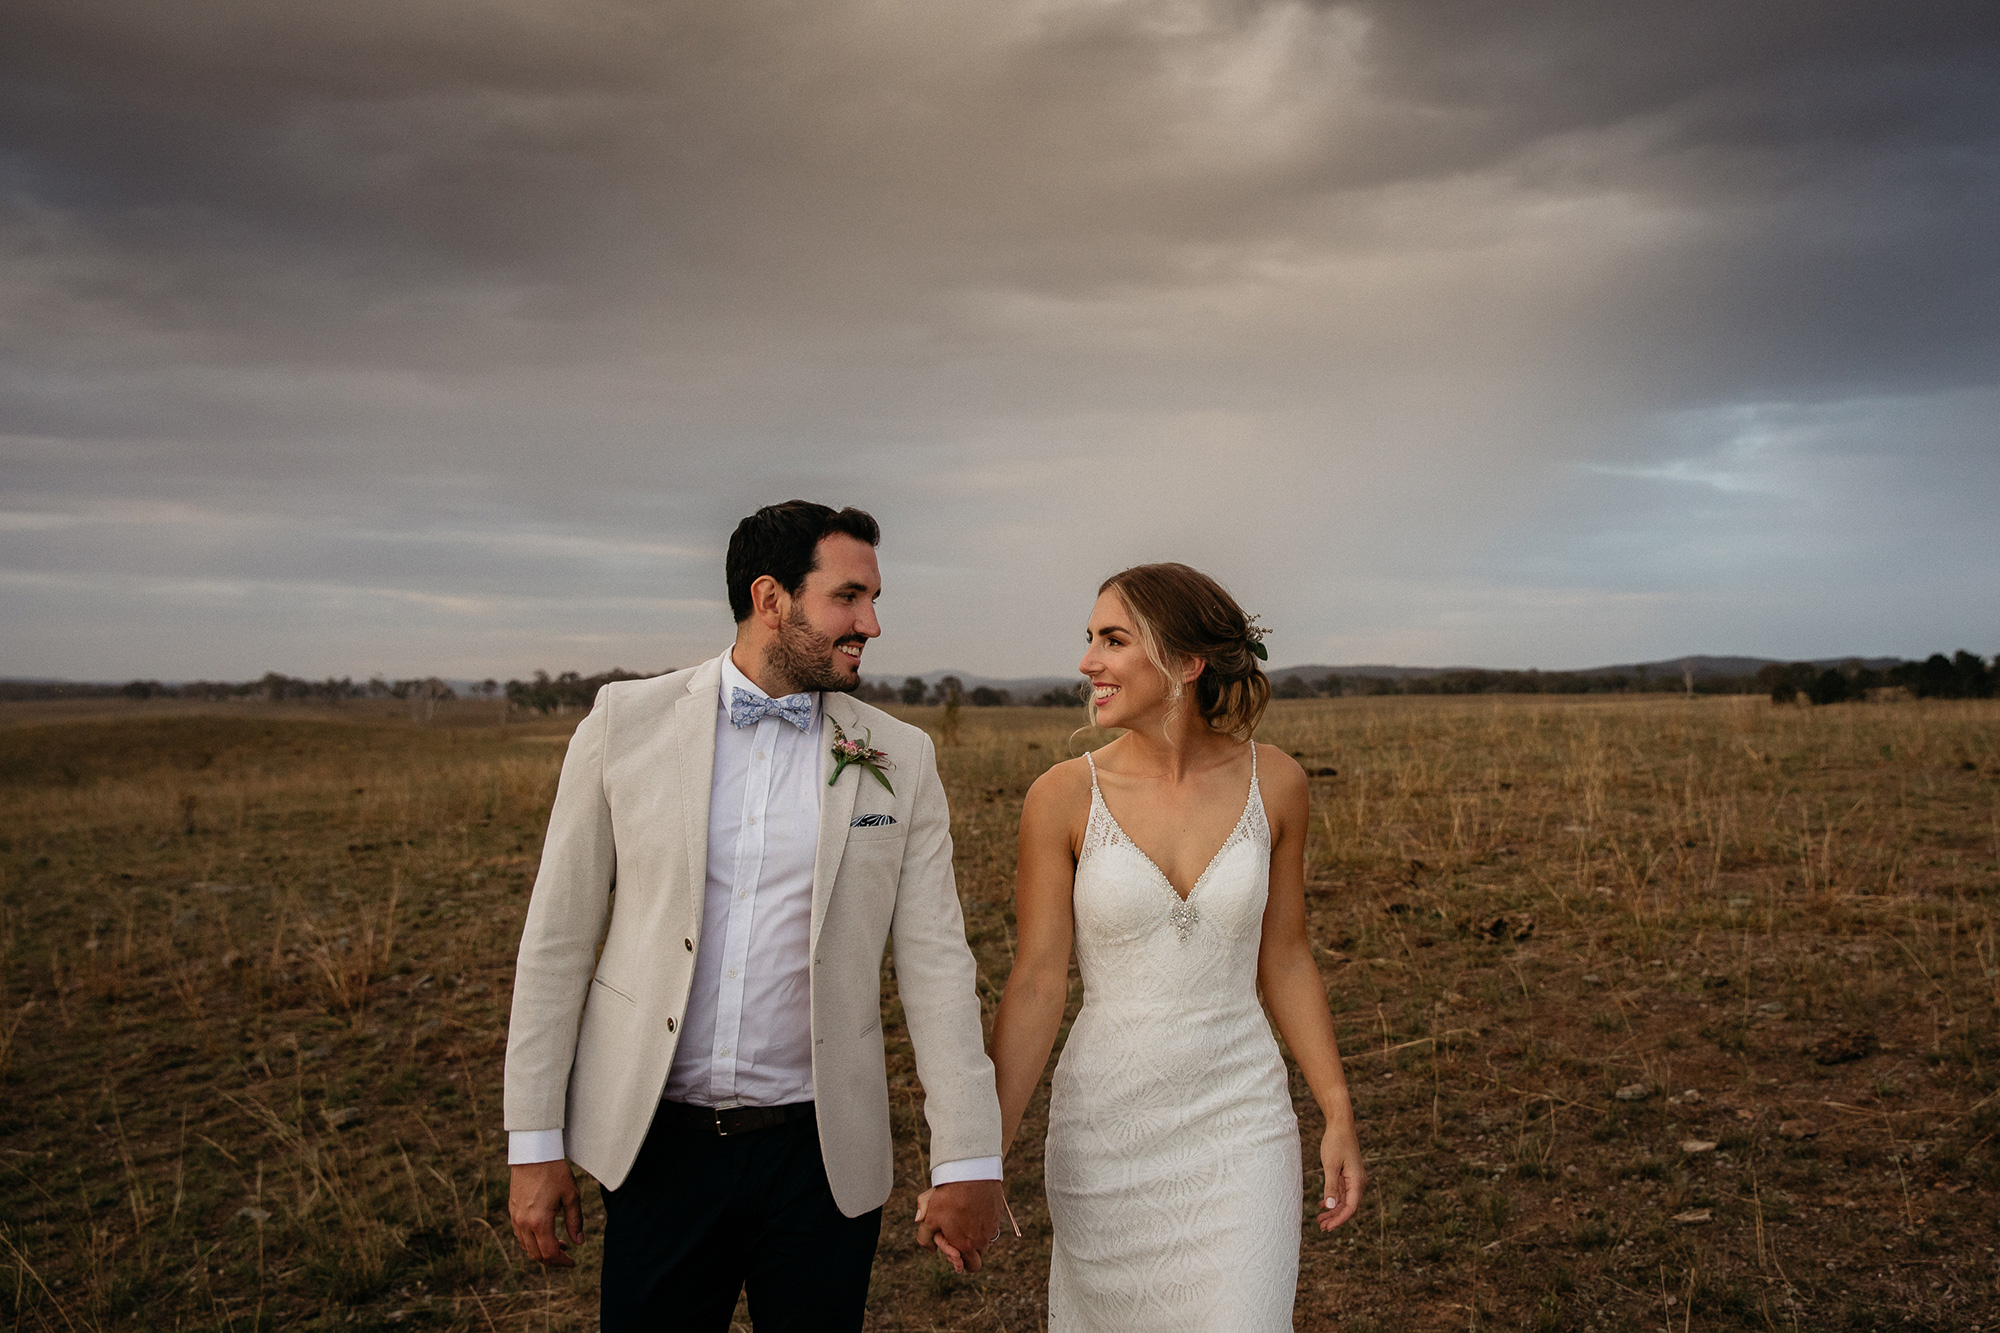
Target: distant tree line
x=272, y=687
x=14, y=691
x=1474, y=681
x=1960, y=676
x=1963, y=675
x=567, y=693
x=914, y=691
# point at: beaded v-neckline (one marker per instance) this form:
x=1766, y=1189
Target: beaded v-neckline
x=1235, y=834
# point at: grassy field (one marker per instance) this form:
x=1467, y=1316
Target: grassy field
x=1661, y=1014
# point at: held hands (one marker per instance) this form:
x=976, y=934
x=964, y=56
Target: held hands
x=536, y=1192
x=961, y=1219
x=1340, y=1155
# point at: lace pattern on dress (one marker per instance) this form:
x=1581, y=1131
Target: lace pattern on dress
x=1103, y=830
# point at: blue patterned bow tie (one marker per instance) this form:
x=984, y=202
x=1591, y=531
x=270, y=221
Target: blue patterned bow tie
x=747, y=709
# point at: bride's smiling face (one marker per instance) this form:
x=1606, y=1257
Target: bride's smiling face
x=1125, y=687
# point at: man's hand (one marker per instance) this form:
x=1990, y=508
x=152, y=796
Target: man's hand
x=536, y=1192
x=961, y=1219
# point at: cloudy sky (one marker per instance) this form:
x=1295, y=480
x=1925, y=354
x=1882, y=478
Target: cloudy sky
x=438, y=336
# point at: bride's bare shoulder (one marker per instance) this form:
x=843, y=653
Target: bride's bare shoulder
x=1275, y=766
x=1283, y=782
x=1062, y=793
x=1056, y=814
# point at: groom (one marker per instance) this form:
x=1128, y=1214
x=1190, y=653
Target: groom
x=718, y=1066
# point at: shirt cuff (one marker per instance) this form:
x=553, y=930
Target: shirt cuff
x=971, y=1168
x=525, y=1146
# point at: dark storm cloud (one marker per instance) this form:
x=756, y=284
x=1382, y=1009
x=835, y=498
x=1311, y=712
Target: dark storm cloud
x=1461, y=308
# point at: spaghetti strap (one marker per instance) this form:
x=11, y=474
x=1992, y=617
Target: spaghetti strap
x=1100, y=828
x=1257, y=793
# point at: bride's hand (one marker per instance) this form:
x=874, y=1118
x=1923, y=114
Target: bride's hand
x=1340, y=1155
x=928, y=1235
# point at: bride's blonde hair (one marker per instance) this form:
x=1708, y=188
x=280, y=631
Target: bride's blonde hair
x=1179, y=612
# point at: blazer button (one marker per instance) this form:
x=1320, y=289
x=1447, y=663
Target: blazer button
x=670, y=1025
x=688, y=944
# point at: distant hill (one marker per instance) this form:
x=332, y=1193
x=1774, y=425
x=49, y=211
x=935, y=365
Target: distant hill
x=1018, y=687
x=1705, y=668
x=1377, y=670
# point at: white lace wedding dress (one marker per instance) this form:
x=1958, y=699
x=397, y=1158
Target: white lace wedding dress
x=1172, y=1163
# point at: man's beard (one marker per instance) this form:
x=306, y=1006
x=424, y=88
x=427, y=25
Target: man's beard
x=804, y=657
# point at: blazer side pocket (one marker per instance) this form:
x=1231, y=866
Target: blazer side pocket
x=600, y=981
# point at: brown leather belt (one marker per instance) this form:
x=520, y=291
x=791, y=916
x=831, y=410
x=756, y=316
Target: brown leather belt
x=724, y=1121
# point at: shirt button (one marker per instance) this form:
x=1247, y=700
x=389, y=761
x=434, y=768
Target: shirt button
x=723, y=1051
x=733, y=972
x=760, y=754
x=743, y=893
x=753, y=819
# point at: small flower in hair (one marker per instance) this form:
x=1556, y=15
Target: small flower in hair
x=1254, y=633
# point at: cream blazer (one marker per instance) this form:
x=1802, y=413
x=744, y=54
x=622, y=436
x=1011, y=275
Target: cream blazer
x=592, y=1033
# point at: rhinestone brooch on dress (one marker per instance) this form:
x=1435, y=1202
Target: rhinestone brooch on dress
x=1184, y=916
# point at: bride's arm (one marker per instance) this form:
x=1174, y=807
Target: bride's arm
x=1031, y=1009
x=1294, y=992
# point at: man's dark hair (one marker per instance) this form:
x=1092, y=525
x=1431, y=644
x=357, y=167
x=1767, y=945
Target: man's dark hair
x=783, y=541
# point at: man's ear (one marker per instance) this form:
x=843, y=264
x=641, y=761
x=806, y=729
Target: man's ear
x=768, y=601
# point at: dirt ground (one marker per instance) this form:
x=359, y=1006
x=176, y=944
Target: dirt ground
x=1660, y=1013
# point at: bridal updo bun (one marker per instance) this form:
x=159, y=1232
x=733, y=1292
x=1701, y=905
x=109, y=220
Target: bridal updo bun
x=1179, y=613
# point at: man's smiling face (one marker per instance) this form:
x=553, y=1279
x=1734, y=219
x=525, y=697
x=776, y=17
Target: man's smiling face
x=827, y=624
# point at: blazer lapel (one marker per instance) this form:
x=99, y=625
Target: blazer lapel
x=694, y=742
x=836, y=804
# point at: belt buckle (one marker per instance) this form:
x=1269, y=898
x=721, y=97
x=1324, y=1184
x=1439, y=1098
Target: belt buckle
x=720, y=1132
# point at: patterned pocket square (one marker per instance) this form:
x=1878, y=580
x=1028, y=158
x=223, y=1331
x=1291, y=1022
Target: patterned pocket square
x=870, y=821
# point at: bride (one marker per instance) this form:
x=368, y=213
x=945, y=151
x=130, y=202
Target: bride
x=1173, y=861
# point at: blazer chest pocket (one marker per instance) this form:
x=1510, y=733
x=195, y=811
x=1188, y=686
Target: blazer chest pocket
x=858, y=833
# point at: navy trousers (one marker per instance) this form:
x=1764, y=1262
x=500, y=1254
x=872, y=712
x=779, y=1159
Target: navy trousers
x=703, y=1217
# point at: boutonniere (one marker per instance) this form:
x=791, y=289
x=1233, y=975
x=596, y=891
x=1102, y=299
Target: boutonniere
x=858, y=753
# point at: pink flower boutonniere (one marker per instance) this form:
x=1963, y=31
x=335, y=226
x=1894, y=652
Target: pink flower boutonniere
x=858, y=753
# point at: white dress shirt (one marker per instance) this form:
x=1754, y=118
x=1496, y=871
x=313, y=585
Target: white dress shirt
x=746, y=1038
